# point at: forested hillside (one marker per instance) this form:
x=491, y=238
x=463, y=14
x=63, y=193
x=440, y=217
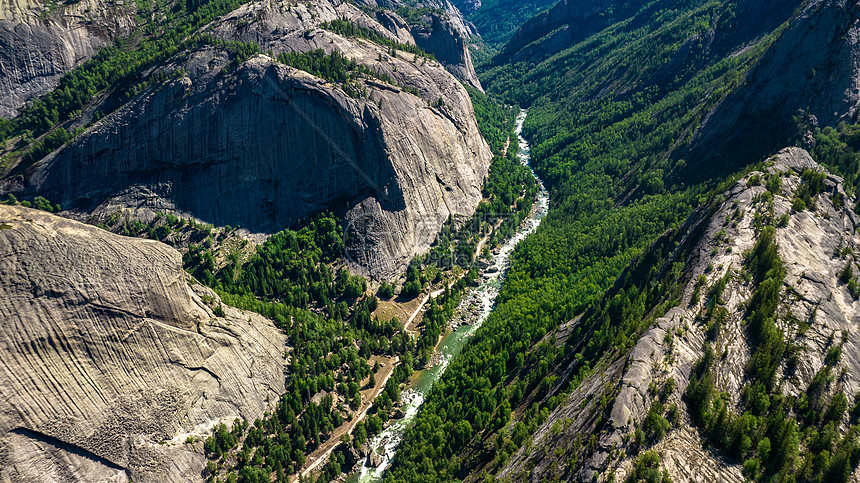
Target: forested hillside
x=356, y=120
x=614, y=121
x=497, y=20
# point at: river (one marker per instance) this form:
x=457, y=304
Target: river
x=483, y=296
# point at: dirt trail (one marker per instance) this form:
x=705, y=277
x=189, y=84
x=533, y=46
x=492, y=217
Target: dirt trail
x=321, y=454
x=439, y=292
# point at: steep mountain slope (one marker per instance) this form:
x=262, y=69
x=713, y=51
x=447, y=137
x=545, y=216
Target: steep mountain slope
x=565, y=24
x=816, y=314
x=497, y=20
x=110, y=361
x=622, y=131
x=392, y=145
x=444, y=31
x=810, y=77
x=570, y=22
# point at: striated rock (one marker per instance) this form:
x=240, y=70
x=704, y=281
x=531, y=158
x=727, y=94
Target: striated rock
x=578, y=416
x=38, y=46
x=109, y=360
x=294, y=26
x=683, y=457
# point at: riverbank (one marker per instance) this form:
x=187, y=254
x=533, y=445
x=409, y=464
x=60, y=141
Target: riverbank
x=474, y=308
x=413, y=313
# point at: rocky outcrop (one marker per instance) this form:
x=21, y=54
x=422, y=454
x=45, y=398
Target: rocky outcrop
x=292, y=26
x=812, y=245
x=38, y=45
x=285, y=26
x=109, y=360
x=267, y=145
x=447, y=38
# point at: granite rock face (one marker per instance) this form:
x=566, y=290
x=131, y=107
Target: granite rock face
x=37, y=46
x=267, y=145
x=109, y=360
x=811, y=246
x=293, y=26
x=446, y=37
x=263, y=145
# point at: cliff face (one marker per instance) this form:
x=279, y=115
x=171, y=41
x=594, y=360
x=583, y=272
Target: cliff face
x=447, y=38
x=38, y=46
x=810, y=75
x=811, y=246
x=109, y=360
x=268, y=145
x=263, y=145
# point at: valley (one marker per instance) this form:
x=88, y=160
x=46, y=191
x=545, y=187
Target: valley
x=520, y=240
x=483, y=297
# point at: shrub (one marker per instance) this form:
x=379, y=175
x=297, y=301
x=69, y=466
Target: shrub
x=41, y=203
x=774, y=184
x=647, y=468
x=655, y=425
x=847, y=273
x=798, y=205
x=674, y=415
x=751, y=468
x=854, y=287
